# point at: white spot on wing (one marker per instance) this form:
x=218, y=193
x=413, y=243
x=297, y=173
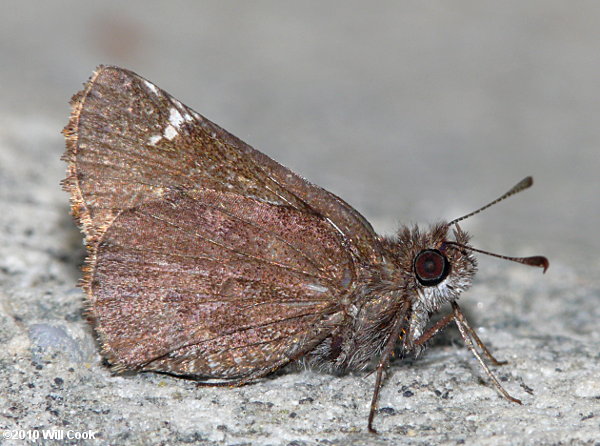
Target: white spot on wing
x=170, y=132
x=151, y=87
x=175, y=118
x=154, y=139
x=182, y=110
x=317, y=287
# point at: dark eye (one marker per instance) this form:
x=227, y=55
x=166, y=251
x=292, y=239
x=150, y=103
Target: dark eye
x=431, y=267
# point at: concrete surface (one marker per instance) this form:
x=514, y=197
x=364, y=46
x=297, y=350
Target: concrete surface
x=411, y=111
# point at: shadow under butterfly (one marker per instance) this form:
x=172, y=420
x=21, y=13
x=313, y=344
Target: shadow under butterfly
x=208, y=259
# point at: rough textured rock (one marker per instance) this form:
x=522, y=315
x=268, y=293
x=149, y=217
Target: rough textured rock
x=412, y=112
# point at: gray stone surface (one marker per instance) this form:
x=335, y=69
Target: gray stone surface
x=412, y=111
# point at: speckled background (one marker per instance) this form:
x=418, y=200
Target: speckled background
x=412, y=112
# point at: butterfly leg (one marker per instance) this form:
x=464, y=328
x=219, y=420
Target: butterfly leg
x=434, y=329
x=381, y=366
x=478, y=341
x=441, y=324
x=468, y=335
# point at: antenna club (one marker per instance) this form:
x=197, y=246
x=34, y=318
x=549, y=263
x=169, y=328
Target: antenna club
x=525, y=183
x=539, y=261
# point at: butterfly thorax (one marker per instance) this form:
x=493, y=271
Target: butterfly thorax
x=394, y=290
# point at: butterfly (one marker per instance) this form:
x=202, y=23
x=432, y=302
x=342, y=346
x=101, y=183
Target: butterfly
x=207, y=259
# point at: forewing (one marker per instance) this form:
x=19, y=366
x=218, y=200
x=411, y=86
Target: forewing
x=215, y=285
x=129, y=142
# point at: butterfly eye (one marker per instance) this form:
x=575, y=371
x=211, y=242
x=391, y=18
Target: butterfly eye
x=431, y=267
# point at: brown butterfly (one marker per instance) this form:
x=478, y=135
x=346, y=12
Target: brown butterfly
x=208, y=259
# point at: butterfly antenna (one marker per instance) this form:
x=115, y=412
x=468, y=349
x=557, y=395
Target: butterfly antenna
x=539, y=261
x=521, y=185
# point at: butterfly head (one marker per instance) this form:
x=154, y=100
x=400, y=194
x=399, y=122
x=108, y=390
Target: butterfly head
x=440, y=263
x=435, y=269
